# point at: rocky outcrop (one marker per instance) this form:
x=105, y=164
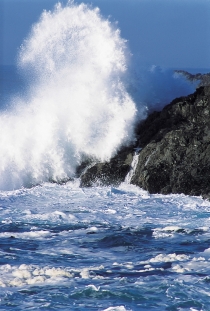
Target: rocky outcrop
x=108, y=173
x=175, y=155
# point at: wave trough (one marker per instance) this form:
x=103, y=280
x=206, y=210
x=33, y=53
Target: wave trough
x=76, y=105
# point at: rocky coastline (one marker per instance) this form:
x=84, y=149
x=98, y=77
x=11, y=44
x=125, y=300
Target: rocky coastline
x=174, y=154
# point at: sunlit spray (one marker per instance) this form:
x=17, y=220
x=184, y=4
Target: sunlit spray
x=77, y=104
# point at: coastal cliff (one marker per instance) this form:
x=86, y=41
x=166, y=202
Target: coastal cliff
x=175, y=151
x=176, y=147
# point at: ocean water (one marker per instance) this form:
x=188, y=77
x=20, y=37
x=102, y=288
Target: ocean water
x=78, y=93
x=68, y=248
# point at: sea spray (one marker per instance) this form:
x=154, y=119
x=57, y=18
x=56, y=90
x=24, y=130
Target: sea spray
x=77, y=104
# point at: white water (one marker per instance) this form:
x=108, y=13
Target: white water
x=134, y=163
x=77, y=104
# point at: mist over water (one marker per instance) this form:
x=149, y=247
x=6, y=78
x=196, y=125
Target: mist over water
x=77, y=104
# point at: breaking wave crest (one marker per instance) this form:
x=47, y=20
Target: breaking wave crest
x=77, y=104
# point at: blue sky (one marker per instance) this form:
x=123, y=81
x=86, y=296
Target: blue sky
x=169, y=33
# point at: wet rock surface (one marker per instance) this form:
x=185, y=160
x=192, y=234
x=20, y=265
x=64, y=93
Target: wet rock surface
x=108, y=173
x=175, y=155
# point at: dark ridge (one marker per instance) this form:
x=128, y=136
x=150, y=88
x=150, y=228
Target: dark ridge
x=202, y=79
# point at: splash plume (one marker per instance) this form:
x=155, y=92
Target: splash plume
x=76, y=104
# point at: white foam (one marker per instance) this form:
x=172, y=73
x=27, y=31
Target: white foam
x=198, y=264
x=85, y=273
x=171, y=231
x=22, y=274
x=29, y=275
x=118, y=308
x=53, y=272
x=39, y=234
x=129, y=188
x=33, y=274
x=93, y=287
x=171, y=228
x=169, y=258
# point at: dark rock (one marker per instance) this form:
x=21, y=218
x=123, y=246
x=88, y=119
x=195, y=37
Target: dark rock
x=108, y=173
x=176, y=153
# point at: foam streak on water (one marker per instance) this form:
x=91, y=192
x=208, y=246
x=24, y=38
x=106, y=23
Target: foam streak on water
x=76, y=104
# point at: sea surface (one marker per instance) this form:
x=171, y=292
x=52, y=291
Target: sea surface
x=68, y=248
x=63, y=247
